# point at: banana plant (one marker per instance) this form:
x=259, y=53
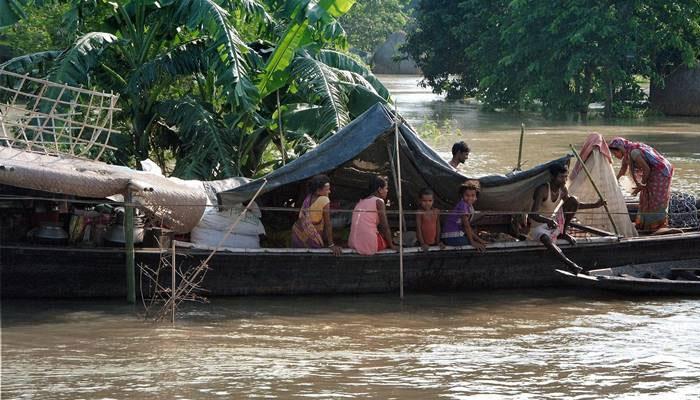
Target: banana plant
x=192, y=89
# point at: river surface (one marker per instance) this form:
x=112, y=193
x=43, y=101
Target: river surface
x=526, y=344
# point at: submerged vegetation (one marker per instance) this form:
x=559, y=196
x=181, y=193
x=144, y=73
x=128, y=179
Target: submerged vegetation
x=208, y=88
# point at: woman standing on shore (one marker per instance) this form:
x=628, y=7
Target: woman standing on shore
x=652, y=174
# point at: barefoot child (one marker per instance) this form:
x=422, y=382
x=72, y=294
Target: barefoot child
x=457, y=230
x=427, y=221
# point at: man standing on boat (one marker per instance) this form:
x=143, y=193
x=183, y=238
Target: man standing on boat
x=552, y=210
x=460, y=154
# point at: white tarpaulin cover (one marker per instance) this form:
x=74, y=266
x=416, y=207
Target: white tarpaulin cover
x=604, y=176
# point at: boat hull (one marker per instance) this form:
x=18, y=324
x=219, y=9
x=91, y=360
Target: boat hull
x=64, y=272
x=610, y=280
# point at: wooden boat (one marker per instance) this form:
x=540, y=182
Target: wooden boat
x=664, y=278
x=100, y=272
x=366, y=147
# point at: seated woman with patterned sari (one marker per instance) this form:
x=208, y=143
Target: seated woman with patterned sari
x=313, y=229
x=652, y=174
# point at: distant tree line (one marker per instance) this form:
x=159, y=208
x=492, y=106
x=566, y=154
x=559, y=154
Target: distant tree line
x=372, y=21
x=560, y=56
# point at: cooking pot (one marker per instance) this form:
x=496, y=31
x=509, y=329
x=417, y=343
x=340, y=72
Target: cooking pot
x=115, y=234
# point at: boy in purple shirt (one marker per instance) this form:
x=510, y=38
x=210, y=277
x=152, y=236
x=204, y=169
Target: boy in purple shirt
x=456, y=230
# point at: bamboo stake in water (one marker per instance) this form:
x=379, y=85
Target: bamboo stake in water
x=600, y=195
x=520, y=148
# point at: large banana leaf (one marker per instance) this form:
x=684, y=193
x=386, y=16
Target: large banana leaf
x=207, y=147
x=321, y=81
x=74, y=65
x=230, y=47
x=296, y=36
x=345, y=62
x=250, y=9
x=11, y=11
x=360, y=99
x=31, y=64
x=185, y=59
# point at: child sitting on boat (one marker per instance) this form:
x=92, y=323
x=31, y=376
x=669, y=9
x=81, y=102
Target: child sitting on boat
x=457, y=230
x=369, y=229
x=427, y=221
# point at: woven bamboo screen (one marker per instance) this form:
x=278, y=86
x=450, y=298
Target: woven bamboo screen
x=50, y=118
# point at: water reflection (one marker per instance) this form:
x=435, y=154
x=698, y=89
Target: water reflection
x=520, y=344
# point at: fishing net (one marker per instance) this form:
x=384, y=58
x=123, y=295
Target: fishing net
x=683, y=211
x=604, y=176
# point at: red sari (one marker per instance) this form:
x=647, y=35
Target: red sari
x=655, y=196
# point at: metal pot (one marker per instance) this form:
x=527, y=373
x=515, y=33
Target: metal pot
x=51, y=231
x=115, y=234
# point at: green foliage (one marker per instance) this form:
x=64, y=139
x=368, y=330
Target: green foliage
x=561, y=55
x=11, y=11
x=306, y=16
x=192, y=88
x=372, y=21
x=39, y=30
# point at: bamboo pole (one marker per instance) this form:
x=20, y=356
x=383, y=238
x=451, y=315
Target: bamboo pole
x=400, y=197
x=283, y=149
x=172, y=276
x=129, y=244
x=520, y=147
x=600, y=195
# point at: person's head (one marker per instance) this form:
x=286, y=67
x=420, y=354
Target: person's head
x=320, y=185
x=617, y=147
x=460, y=151
x=559, y=173
x=469, y=192
x=425, y=199
x=378, y=186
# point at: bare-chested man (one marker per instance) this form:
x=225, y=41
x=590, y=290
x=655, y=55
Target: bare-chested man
x=460, y=153
x=552, y=210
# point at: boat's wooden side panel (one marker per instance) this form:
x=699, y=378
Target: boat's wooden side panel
x=56, y=272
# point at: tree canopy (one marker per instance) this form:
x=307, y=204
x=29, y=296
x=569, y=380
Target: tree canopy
x=372, y=21
x=562, y=55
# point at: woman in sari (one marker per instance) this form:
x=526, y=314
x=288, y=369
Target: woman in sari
x=652, y=174
x=313, y=229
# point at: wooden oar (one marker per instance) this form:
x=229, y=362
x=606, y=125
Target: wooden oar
x=600, y=195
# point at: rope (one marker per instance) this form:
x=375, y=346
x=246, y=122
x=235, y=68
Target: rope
x=690, y=211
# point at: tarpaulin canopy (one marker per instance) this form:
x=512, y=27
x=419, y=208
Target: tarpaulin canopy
x=366, y=147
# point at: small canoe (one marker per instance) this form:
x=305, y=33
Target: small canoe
x=670, y=278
